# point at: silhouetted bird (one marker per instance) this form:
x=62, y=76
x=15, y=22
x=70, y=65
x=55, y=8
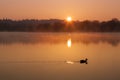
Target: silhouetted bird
x=84, y=61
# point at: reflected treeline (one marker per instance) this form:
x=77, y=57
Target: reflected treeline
x=56, y=25
x=58, y=38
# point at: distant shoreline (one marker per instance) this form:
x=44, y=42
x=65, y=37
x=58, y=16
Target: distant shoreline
x=56, y=25
x=53, y=32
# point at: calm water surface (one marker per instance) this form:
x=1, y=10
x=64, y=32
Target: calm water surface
x=43, y=56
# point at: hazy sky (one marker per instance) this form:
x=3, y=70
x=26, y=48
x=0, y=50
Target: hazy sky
x=45, y=9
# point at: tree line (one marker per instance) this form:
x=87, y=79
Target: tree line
x=56, y=25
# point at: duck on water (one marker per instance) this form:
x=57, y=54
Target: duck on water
x=82, y=61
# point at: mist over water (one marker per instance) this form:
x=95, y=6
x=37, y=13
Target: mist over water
x=58, y=38
x=47, y=56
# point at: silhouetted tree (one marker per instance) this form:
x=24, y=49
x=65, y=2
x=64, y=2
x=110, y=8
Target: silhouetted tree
x=56, y=25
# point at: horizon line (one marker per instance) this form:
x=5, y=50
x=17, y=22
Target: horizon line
x=56, y=19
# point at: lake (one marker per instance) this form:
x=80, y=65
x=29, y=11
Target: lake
x=55, y=56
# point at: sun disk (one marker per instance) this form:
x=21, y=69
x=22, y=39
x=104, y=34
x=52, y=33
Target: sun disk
x=69, y=19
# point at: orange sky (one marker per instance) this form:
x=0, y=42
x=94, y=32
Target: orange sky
x=45, y=9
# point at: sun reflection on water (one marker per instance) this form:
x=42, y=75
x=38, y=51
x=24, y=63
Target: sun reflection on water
x=69, y=62
x=69, y=43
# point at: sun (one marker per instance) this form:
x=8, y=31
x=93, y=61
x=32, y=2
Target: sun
x=69, y=19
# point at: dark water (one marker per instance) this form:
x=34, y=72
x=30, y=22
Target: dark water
x=51, y=56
